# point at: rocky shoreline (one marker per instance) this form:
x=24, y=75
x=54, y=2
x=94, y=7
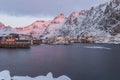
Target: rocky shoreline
x=91, y=39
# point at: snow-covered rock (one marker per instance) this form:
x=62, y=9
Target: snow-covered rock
x=5, y=75
x=1, y=25
x=49, y=76
x=62, y=78
x=7, y=30
x=22, y=78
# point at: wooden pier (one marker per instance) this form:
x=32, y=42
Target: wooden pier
x=17, y=41
x=37, y=42
x=15, y=45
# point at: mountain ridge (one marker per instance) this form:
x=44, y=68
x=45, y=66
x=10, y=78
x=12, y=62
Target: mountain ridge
x=100, y=21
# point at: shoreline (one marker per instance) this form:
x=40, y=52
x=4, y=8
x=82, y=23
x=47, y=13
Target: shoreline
x=5, y=75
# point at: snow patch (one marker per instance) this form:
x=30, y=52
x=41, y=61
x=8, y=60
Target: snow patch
x=5, y=75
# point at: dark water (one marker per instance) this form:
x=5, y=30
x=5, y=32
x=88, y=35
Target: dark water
x=77, y=61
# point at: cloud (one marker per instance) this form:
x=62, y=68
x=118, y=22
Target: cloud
x=46, y=7
x=24, y=12
x=20, y=21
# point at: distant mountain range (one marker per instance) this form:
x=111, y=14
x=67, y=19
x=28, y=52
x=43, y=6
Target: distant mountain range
x=102, y=21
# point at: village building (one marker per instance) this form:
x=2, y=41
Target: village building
x=13, y=41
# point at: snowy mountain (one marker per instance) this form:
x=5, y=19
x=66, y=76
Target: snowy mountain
x=7, y=30
x=40, y=28
x=101, y=23
x=54, y=26
x=34, y=29
x=1, y=25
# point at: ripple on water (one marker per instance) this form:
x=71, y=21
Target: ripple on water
x=97, y=47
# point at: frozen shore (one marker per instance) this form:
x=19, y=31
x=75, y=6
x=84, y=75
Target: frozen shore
x=5, y=75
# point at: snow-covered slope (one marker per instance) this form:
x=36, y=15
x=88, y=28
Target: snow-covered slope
x=1, y=25
x=54, y=26
x=40, y=28
x=34, y=29
x=83, y=22
x=102, y=21
x=87, y=22
x=7, y=30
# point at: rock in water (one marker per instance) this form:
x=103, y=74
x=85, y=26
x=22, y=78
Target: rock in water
x=5, y=75
x=63, y=78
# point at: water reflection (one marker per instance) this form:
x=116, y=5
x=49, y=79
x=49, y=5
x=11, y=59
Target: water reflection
x=76, y=61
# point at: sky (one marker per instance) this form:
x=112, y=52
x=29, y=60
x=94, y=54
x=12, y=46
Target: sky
x=19, y=13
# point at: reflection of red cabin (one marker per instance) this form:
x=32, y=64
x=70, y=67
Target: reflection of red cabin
x=10, y=39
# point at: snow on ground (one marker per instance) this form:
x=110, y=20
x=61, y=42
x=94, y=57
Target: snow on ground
x=5, y=75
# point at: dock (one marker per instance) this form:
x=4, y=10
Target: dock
x=15, y=45
x=37, y=42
